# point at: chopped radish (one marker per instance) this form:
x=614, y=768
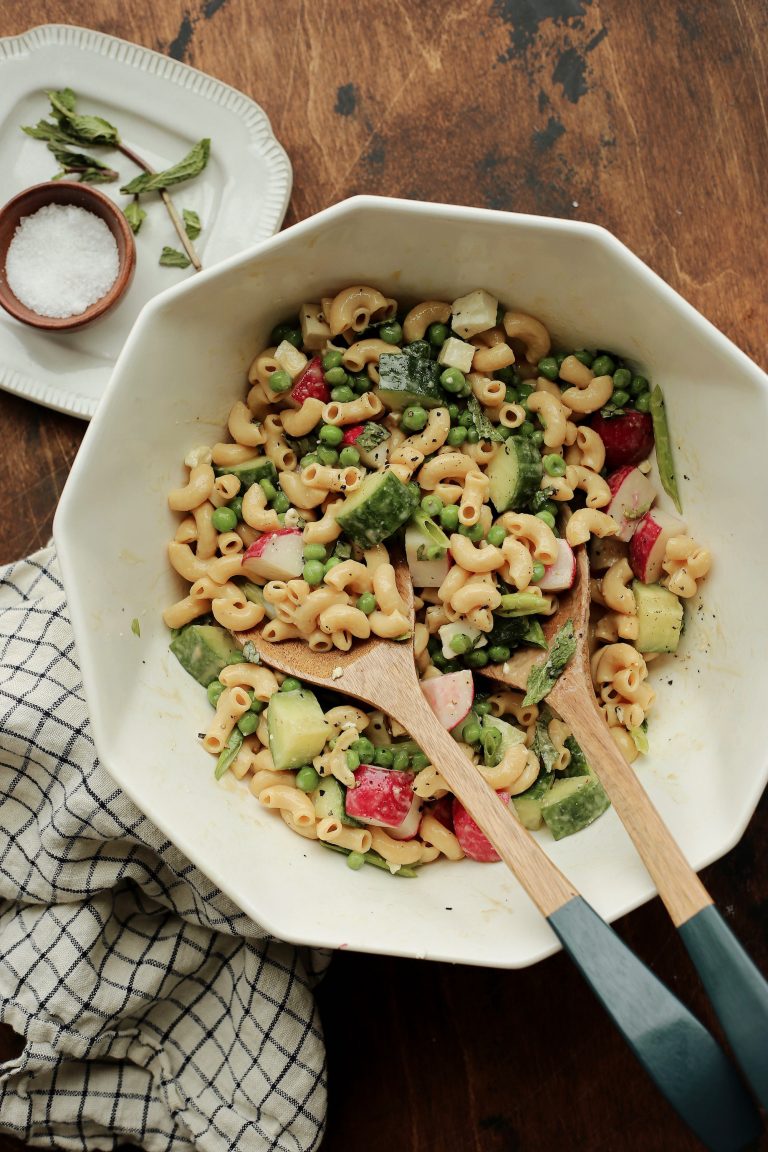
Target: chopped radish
x=456, y=628
x=311, y=382
x=277, y=555
x=627, y=436
x=450, y=697
x=351, y=434
x=474, y=842
x=381, y=796
x=646, y=548
x=410, y=826
x=632, y=495
x=372, y=457
x=442, y=810
x=424, y=573
x=562, y=573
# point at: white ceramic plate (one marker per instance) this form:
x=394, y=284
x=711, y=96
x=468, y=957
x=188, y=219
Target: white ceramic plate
x=161, y=108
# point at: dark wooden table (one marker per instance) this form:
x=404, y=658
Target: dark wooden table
x=647, y=118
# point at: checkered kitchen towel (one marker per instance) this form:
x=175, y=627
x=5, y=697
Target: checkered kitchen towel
x=153, y=1011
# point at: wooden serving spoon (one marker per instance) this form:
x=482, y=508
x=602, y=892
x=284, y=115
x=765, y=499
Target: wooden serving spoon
x=676, y=1050
x=738, y=991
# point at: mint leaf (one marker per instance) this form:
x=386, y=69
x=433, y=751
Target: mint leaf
x=542, y=677
x=372, y=435
x=484, y=428
x=192, y=165
x=192, y=225
x=86, y=129
x=172, y=258
x=135, y=215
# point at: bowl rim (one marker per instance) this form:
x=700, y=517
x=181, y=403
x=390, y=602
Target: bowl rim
x=69, y=192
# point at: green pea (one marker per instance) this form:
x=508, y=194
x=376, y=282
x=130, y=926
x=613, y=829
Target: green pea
x=391, y=332
x=453, y=412
x=435, y=552
x=418, y=761
x=401, y=759
x=559, y=358
x=440, y=661
x=330, y=434
x=281, y=503
x=383, y=757
x=420, y=349
x=349, y=457
x=547, y=517
x=603, y=366
x=310, y=458
x=481, y=707
x=307, y=778
x=355, y=861
x=268, y=488
x=461, y=643
x=353, y=760
x=584, y=357
x=537, y=437
x=224, y=519
x=525, y=390
x=456, y=436
x=327, y=455
x=287, y=331
x=643, y=402
x=335, y=376
x=343, y=394
x=290, y=684
x=437, y=334
x=248, y=723
x=432, y=505
x=508, y=376
x=366, y=602
x=449, y=518
x=553, y=463
x=549, y=368
x=256, y=706
x=622, y=379
x=473, y=436
x=473, y=532
x=360, y=384
x=314, y=572
x=236, y=504
x=504, y=432
x=214, y=690
x=365, y=749
x=496, y=536
x=414, y=418
x=527, y=429
x=538, y=571
x=639, y=385
x=280, y=381
x=498, y=654
x=620, y=399
x=466, y=420
x=471, y=732
x=512, y=396
x=452, y=380
x=314, y=552
x=331, y=563
x=476, y=659
x=333, y=358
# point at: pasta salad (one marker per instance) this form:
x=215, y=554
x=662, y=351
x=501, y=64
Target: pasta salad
x=453, y=430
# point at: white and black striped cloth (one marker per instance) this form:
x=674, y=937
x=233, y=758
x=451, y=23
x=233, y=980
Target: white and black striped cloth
x=153, y=1011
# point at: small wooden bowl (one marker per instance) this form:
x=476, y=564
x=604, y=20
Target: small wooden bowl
x=82, y=196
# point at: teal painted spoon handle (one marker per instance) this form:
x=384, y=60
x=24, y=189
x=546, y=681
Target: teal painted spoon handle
x=737, y=990
x=739, y=993
x=677, y=1052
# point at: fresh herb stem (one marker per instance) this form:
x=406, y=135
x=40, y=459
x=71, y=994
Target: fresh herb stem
x=176, y=220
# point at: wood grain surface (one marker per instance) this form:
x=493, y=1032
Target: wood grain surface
x=649, y=119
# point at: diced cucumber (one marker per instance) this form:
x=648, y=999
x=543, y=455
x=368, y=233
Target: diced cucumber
x=405, y=378
x=578, y=763
x=203, y=650
x=297, y=728
x=377, y=508
x=515, y=473
x=528, y=804
x=659, y=618
x=250, y=471
x=328, y=799
x=572, y=804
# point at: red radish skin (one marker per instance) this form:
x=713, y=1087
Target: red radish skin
x=560, y=576
x=381, y=796
x=450, y=697
x=473, y=841
x=628, y=437
x=410, y=826
x=351, y=434
x=442, y=810
x=311, y=382
x=277, y=555
x=632, y=495
x=646, y=548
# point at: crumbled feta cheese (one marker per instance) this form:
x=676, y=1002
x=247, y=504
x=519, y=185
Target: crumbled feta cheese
x=290, y=359
x=473, y=313
x=456, y=354
x=337, y=673
x=645, y=466
x=315, y=332
x=195, y=456
x=294, y=519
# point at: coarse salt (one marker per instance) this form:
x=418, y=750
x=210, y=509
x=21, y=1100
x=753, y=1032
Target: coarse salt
x=61, y=260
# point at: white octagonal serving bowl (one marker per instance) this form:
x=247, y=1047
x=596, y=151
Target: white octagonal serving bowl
x=182, y=367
